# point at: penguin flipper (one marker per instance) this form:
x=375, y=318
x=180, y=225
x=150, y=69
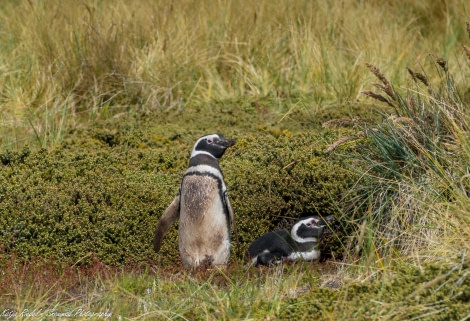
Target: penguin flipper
x=232, y=215
x=170, y=215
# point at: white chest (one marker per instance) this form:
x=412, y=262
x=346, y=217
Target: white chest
x=307, y=256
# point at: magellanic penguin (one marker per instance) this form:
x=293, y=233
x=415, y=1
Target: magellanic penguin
x=278, y=246
x=202, y=206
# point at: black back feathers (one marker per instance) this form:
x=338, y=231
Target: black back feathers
x=301, y=242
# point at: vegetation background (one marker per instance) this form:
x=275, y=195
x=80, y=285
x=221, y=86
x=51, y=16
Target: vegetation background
x=357, y=109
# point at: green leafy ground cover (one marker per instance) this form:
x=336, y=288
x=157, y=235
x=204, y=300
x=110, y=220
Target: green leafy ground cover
x=102, y=191
x=101, y=102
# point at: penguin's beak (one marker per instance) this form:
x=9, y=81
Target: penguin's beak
x=329, y=218
x=227, y=142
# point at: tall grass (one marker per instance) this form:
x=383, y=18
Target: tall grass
x=294, y=292
x=113, y=294
x=64, y=62
x=414, y=197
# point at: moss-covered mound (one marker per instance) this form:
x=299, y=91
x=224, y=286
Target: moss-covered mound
x=102, y=192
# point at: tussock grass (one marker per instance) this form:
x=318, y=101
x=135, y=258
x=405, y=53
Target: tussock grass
x=413, y=198
x=66, y=62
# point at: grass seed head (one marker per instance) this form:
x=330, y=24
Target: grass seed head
x=467, y=51
x=418, y=76
x=412, y=74
x=377, y=96
x=441, y=62
x=376, y=71
x=387, y=87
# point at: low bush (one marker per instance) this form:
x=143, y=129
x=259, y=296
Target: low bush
x=101, y=193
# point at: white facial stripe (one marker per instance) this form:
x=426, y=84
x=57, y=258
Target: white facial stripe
x=201, y=169
x=194, y=152
x=297, y=238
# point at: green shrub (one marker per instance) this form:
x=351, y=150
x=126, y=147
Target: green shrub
x=101, y=193
x=283, y=178
x=72, y=205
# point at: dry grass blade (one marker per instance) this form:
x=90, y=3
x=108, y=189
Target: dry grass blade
x=427, y=285
x=406, y=120
x=337, y=122
x=340, y=141
x=468, y=29
x=343, y=140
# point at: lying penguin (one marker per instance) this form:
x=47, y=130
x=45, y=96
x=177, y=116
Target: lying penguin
x=202, y=206
x=301, y=243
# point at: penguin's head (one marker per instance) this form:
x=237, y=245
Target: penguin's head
x=309, y=229
x=213, y=145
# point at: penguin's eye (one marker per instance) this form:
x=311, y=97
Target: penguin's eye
x=309, y=224
x=209, y=140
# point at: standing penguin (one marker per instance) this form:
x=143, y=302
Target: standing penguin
x=202, y=206
x=301, y=243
